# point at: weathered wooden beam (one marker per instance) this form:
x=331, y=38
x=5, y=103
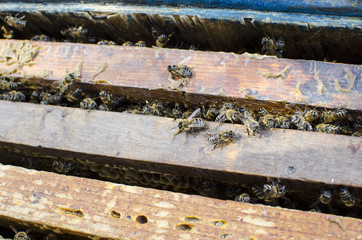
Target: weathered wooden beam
x=245, y=77
x=288, y=154
x=91, y=208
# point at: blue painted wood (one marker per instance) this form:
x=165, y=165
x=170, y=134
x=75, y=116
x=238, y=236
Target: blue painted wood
x=327, y=7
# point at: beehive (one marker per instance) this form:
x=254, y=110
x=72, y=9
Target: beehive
x=124, y=174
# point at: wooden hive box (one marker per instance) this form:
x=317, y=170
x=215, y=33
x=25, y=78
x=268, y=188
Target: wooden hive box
x=72, y=173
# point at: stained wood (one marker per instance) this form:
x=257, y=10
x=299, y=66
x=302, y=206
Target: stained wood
x=109, y=210
x=242, y=77
x=289, y=154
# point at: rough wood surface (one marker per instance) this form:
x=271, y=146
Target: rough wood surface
x=243, y=77
x=109, y=210
x=315, y=157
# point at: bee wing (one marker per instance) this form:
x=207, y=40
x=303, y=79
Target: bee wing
x=194, y=114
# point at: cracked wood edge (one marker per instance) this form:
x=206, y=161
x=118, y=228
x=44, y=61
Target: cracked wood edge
x=244, y=77
x=314, y=157
x=39, y=202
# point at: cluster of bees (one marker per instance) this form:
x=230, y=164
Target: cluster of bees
x=24, y=235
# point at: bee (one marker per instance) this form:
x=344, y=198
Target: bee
x=5, y=85
x=251, y=125
x=282, y=122
x=105, y=42
x=243, y=198
x=128, y=43
x=222, y=138
x=332, y=116
x=75, y=32
x=182, y=71
x=62, y=167
x=75, y=95
x=228, y=113
x=329, y=128
x=15, y=96
x=88, y=103
x=300, y=122
x=269, y=192
x=272, y=47
x=42, y=37
x=20, y=235
x=51, y=237
x=346, y=197
x=66, y=84
x=176, y=112
x=35, y=96
x=153, y=109
x=48, y=98
x=190, y=124
x=207, y=188
x=311, y=115
x=315, y=209
x=357, y=133
x=16, y=22
x=103, y=107
x=266, y=119
x=107, y=98
x=162, y=40
x=210, y=114
x=325, y=197
x=140, y=44
x=7, y=34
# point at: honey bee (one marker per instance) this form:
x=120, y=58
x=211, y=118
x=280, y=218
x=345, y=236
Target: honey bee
x=16, y=22
x=181, y=71
x=103, y=107
x=13, y=95
x=210, y=114
x=311, y=115
x=108, y=98
x=228, y=113
x=62, y=167
x=207, y=188
x=43, y=38
x=346, y=197
x=48, y=98
x=272, y=47
x=332, y=116
x=266, y=119
x=269, y=192
x=20, y=235
x=243, y=198
x=251, y=125
x=5, y=85
x=7, y=34
x=162, y=40
x=88, y=103
x=315, y=209
x=222, y=138
x=357, y=133
x=300, y=122
x=325, y=197
x=75, y=32
x=66, y=84
x=282, y=122
x=105, y=42
x=329, y=128
x=35, y=96
x=140, y=44
x=190, y=124
x=128, y=43
x=75, y=95
x=153, y=109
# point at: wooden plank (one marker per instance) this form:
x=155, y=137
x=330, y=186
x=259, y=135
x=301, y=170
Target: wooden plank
x=112, y=211
x=287, y=154
x=242, y=77
x=342, y=8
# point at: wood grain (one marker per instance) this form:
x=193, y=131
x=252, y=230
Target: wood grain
x=109, y=210
x=242, y=77
x=313, y=157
